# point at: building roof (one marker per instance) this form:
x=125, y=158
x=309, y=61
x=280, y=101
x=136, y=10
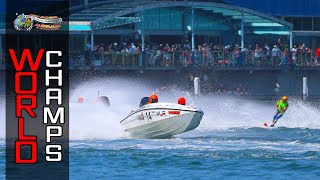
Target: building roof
x=109, y=13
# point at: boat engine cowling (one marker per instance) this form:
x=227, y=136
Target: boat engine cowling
x=144, y=101
x=104, y=100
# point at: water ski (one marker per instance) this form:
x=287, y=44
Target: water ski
x=266, y=125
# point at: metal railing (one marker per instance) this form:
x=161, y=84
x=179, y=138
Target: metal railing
x=105, y=59
x=214, y=57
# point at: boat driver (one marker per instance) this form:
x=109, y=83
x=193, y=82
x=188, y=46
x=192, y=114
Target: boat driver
x=153, y=98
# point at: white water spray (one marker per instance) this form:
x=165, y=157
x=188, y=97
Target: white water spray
x=93, y=121
x=2, y=118
x=90, y=120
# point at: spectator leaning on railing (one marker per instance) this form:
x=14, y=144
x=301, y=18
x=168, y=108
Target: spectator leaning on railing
x=275, y=54
x=204, y=55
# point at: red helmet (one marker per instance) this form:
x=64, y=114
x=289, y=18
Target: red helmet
x=153, y=98
x=182, y=101
x=80, y=99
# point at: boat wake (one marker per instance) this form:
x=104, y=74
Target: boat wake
x=90, y=120
x=221, y=113
x=2, y=118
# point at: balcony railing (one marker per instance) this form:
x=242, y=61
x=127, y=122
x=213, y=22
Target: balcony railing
x=218, y=58
x=215, y=58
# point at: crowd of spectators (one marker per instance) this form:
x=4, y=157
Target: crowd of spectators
x=238, y=90
x=211, y=86
x=260, y=54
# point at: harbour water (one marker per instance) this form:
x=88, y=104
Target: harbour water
x=230, y=142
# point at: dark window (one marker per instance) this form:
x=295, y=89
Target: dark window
x=75, y=3
x=93, y=1
x=289, y=19
x=316, y=23
x=307, y=23
x=297, y=23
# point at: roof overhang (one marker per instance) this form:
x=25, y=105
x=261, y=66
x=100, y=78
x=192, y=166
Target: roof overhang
x=106, y=14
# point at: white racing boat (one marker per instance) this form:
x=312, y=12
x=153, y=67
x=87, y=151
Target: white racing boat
x=161, y=120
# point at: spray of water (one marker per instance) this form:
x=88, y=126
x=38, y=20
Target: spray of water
x=221, y=113
x=2, y=118
x=302, y=114
x=90, y=120
x=228, y=112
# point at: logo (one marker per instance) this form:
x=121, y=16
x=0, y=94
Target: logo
x=141, y=117
x=26, y=22
x=174, y=112
x=53, y=121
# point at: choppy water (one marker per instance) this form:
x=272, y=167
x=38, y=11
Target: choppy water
x=229, y=143
x=280, y=153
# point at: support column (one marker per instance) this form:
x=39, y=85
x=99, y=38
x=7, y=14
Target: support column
x=192, y=34
x=305, y=92
x=242, y=32
x=291, y=40
x=92, y=49
x=1, y=50
x=142, y=41
x=85, y=41
x=92, y=41
x=121, y=39
x=197, y=86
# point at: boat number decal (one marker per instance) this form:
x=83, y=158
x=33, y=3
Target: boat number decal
x=161, y=113
x=174, y=112
x=148, y=116
x=141, y=117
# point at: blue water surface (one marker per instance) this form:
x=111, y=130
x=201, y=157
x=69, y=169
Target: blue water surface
x=246, y=153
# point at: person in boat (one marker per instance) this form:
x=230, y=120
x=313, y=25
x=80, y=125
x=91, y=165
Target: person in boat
x=282, y=106
x=153, y=98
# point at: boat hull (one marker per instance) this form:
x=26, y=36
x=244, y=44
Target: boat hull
x=160, y=123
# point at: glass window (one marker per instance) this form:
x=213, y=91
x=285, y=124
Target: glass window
x=297, y=23
x=203, y=23
x=75, y=3
x=289, y=19
x=165, y=18
x=316, y=23
x=77, y=43
x=93, y=1
x=307, y=23
x=2, y=22
x=176, y=19
x=151, y=19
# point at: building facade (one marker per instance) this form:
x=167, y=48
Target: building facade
x=233, y=37
x=304, y=15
